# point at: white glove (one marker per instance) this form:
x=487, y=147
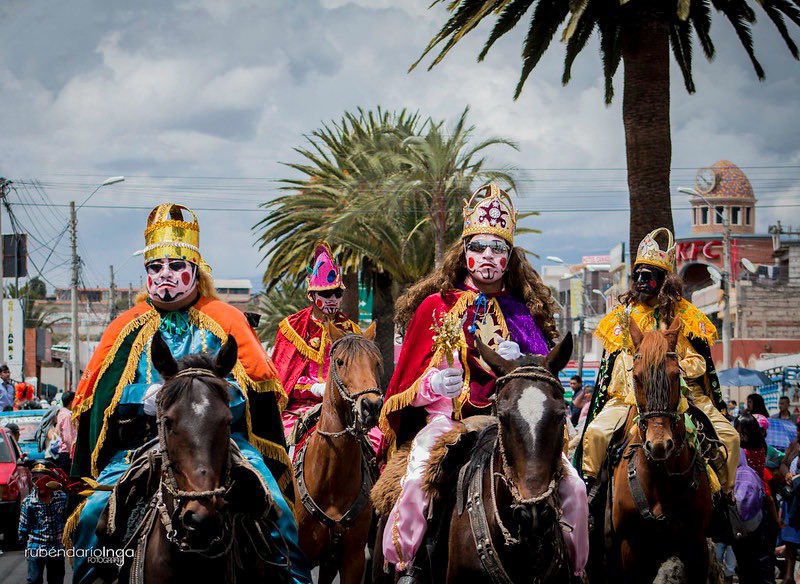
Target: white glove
x=318, y=389
x=447, y=382
x=150, y=398
x=509, y=350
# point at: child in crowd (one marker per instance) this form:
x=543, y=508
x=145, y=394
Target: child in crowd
x=41, y=525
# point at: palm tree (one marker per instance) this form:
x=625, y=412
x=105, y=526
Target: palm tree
x=275, y=304
x=640, y=35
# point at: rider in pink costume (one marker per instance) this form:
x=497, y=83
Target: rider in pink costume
x=489, y=285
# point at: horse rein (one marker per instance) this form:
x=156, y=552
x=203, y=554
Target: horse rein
x=170, y=484
x=353, y=427
x=529, y=373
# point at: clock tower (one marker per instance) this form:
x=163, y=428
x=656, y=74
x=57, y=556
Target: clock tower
x=726, y=187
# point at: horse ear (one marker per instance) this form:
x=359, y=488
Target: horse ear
x=162, y=357
x=559, y=356
x=499, y=365
x=369, y=334
x=636, y=333
x=672, y=332
x=226, y=358
x=334, y=332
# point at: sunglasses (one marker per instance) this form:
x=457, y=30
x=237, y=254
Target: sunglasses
x=337, y=292
x=497, y=247
x=174, y=265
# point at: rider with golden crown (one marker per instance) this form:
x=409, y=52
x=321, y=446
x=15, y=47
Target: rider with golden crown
x=114, y=405
x=654, y=299
x=488, y=287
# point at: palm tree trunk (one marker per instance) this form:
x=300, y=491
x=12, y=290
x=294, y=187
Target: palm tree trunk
x=645, y=113
x=383, y=313
x=350, y=299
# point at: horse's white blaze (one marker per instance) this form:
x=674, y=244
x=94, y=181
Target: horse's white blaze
x=531, y=407
x=200, y=406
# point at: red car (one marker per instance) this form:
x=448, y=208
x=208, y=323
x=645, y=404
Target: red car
x=15, y=484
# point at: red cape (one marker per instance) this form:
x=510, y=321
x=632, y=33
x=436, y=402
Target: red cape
x=294, y=348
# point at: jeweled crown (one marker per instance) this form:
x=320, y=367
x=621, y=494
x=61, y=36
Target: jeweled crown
x=172, y=232
x=324, y=273
x=650, y=252
x=490, y=211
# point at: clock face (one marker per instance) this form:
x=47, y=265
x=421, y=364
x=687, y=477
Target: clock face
x=706, y=180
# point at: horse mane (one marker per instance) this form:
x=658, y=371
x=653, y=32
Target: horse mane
x=351, y=345
x=175, y=387
x=653, y=354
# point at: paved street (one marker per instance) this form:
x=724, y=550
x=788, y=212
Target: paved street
x=14, y=568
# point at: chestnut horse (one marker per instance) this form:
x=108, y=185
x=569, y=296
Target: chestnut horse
x=334, y=468
x=661, y=493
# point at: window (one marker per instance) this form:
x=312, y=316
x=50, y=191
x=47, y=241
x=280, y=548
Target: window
x=718, y=215
x=747, y=215
x=735, y=212
x=704, y=216
x=694, y=216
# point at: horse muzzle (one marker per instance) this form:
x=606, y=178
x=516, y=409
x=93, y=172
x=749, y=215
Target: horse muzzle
x=659, y=451
x=369, y=411
x=202, y=526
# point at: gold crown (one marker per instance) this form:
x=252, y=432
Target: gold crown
x=170, y=235
x=493, y=213
x=651, y=254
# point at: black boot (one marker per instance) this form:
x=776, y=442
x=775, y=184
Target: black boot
x=413, y=575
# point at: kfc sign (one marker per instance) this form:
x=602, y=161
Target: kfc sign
x=689, y=251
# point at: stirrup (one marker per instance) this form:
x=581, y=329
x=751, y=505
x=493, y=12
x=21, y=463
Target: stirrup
x=412, y=575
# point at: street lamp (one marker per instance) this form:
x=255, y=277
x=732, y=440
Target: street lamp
x=726, y=275
x=555, y=259
x=73, y=224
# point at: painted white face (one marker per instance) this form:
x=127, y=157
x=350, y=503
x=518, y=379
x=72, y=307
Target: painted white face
x=170, y=280
x=487, y=258
x=327, y=301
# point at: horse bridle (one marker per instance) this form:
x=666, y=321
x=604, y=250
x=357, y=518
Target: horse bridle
x=550, y=495
x=169, y=484
x=352, y=425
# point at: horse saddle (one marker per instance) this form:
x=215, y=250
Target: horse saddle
x=449, y=453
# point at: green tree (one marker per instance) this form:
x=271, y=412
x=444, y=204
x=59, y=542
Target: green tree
x=638, y=34
x=277, y=303
x=373, y=185
x=36, y=315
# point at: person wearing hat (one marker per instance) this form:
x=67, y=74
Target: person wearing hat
x=42, y=518
x=302, y=345
x=114, y=405
x=7, y=391
x=487, y=285
x=654, y=299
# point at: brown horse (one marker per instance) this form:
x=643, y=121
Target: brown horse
x=661, y=495
x=334, y=467
x=203, y=509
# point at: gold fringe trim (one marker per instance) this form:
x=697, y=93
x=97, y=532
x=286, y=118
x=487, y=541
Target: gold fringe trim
x=71, y=525
x=131, y=326
x=614, y=330
x=265, y=447
x=202, y=320
x=127, y=377
x=318, y=356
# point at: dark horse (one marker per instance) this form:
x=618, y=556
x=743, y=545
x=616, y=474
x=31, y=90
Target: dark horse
x=334, y=467
x=191, y=506
x=496, y=510
x=661, y=503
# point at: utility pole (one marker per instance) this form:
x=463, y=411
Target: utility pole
x=74, y=339
x=726, y=289
x=112, y=293
x=3, y=191
x=130, y=295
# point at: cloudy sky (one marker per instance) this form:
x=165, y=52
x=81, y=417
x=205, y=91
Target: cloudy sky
x=200, y=102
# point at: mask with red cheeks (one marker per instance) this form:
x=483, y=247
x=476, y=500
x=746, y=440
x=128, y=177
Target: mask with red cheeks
x=327, y=301
x=487, y=258
x=170, y=280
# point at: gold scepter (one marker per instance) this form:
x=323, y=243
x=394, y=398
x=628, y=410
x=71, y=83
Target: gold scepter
x=448, y=339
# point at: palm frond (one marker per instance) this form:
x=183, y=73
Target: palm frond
x=507, y=20
x=680, y=36
x=547, y=16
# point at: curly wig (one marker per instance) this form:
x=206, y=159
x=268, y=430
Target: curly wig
x=520, y=279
